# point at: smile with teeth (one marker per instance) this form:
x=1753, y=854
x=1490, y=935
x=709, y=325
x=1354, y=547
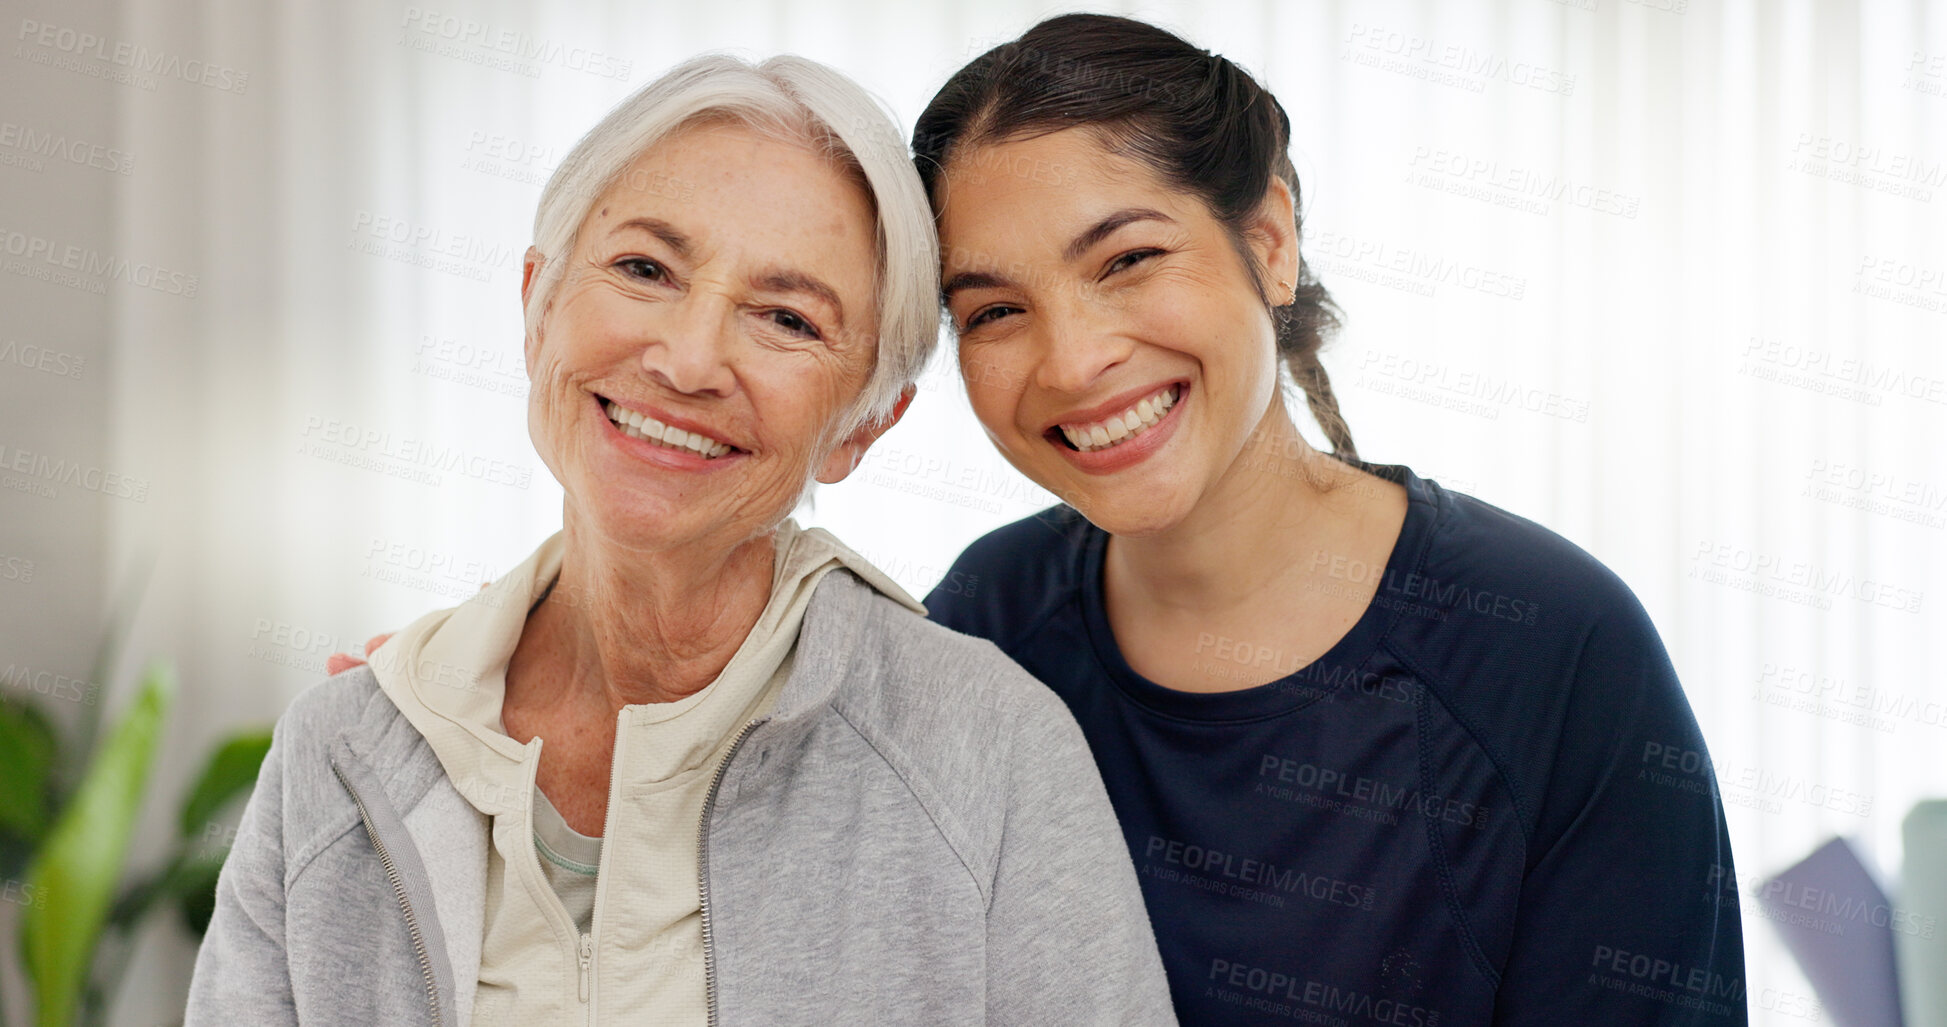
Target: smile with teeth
x=1120, y=428
x=642, y=426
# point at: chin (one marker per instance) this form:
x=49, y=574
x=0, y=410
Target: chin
x=1135, y=527
x=1132, y=512
x=637, y=520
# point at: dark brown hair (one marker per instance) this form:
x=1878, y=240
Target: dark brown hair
x=1203, y=124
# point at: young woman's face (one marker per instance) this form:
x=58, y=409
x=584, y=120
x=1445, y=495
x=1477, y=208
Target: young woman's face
x=1115, y=346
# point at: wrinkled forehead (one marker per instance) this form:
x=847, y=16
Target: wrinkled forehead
x=723, y=177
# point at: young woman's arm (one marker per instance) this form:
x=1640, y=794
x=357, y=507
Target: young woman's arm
x=1628, y=912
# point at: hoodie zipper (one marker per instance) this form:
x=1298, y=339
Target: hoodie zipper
x=616, y=763
x=398, y=892
x=587, y=957
x=584, y=942
x=703, y=872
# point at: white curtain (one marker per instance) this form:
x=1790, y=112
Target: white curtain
x=1668, y=277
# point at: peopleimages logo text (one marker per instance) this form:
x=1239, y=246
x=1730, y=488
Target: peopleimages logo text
x=134, y=57
x=94, y=263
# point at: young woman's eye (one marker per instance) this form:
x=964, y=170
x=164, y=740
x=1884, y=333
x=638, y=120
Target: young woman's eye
x=986, y=315
x=794, y=323
x=643, y=268
x=1129, y=260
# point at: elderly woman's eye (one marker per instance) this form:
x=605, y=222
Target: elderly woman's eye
x=643, y=268
x=794, y=323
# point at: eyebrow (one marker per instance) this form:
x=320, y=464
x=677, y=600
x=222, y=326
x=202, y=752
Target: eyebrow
x=972, y=280
x=800, y=282
x=1073, y=251
x=661, y=229
x=1107, y=226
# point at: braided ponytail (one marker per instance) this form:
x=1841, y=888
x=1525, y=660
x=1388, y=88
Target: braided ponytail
x=1303, y=325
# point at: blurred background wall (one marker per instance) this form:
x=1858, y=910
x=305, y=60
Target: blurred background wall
x=1668, y=276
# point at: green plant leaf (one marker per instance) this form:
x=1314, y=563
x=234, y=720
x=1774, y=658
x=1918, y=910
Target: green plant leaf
x=232, y=769
x=195, y=889
x=108, y=653
x=26, y=768
x=80, y=866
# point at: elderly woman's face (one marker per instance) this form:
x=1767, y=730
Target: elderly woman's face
x=716, y=320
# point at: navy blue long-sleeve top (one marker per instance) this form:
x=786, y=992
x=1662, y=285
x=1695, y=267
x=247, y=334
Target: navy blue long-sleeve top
x=1488, y=803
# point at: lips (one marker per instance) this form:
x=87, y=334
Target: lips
x=638, y=425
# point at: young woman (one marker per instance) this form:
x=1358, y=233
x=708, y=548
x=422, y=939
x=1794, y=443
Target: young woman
x=1382, y=753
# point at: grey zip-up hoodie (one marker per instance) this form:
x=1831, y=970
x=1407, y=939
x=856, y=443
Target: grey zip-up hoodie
x=916, y=834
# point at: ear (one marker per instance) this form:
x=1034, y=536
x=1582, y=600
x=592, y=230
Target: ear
x=845, y=459
x=1273, y=238
x=530, y=267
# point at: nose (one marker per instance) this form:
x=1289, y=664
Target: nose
x=688, y=348
x=1076, y=349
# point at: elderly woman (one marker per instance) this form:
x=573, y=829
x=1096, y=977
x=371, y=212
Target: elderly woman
x=689, y=763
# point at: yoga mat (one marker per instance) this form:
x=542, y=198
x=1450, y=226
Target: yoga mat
x=1839, y=924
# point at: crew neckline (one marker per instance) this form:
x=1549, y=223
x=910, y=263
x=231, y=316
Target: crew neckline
x=560, y=843
x=1292, y=692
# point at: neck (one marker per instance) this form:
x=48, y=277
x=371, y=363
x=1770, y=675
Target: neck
x=626, y=626
x=1269, y=513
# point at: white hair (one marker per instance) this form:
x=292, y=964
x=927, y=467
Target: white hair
x=800, y=100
